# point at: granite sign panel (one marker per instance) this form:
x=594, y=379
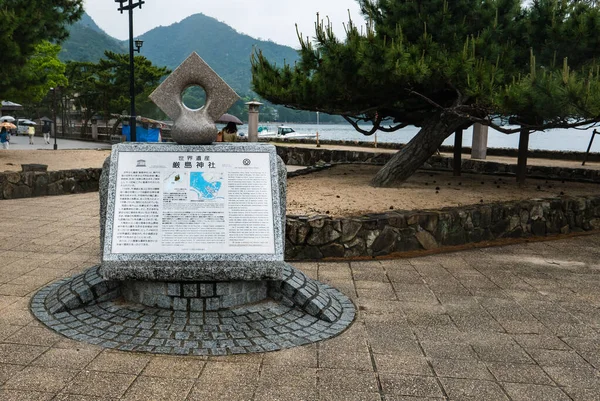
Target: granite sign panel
x=202, y=206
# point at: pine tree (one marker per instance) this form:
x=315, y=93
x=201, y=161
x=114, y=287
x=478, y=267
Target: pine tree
x=443, y=65
x=25, y=25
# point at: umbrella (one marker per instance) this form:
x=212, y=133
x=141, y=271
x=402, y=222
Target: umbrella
x=46, y=119
x=228, y=118
x=9, y=119
x=25, y=121
x=8, y=125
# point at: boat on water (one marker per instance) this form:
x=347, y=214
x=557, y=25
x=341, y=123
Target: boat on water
x=283, y=132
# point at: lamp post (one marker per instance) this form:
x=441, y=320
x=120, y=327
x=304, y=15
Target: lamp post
x=130, y=6
x=54, y=115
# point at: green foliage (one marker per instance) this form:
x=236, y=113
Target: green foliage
x=42, y=71
x=25, y=24
x=471, y=59
x=103, y=87
x=87, y=42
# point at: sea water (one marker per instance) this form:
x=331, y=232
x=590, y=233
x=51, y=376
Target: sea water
x=557, y=139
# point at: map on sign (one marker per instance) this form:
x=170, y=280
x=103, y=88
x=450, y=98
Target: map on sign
x=206, y=186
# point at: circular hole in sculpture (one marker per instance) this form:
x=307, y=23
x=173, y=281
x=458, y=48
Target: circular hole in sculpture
x=194, y=97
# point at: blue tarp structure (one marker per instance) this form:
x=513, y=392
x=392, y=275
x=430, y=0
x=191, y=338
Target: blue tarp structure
x=142, y=134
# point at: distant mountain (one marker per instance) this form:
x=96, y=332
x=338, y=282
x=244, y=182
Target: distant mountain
x=87, y=42
x=224, y=49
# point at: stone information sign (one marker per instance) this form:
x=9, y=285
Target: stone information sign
x=193, y=202
x=194, y=212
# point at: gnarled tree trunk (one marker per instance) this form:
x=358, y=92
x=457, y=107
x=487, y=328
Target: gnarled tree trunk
x=416, y=152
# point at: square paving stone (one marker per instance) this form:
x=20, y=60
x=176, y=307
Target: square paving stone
x=574, y=376
x=461, y=369
x=299, y=356
x=557, y=358
x=33, y=378
x=269, y=393
x=240, y=358
x=501, y=352
x=461, y=389
x=275, y=376
x=218, y=392
x=347, y=380
x=188, y=368
x=325, y=395
x=446, y=350
x=408, y=365
x=582, y=394
x=334, y=359
x=119, y=362
x=533, y=392
x=221, y=373
x=35, y=336
x=66, y=358
x=158, y=388
x=77, y=397
x=8, y=370
x=414, y=386
x=519, y=373
x=17, y=395
x=536, y=341
x=20, y=354
x=100, y=384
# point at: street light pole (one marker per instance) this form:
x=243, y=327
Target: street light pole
x=130, y=7
x=54, y=115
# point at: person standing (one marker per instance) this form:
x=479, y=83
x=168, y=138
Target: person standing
x=46, y=131
x=31, y=133
x=4, y=139
x=230, y=132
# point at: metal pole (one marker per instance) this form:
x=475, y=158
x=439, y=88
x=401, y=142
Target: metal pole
x=131, y=76
x=54, y=115
x=522, y=158
x=587, y=152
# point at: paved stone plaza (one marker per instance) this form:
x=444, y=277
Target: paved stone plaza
x=518, y=322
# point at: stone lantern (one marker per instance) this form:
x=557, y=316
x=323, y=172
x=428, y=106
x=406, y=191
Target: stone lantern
x=253, y=111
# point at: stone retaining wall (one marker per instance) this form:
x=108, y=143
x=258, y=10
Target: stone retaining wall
x=322, y=237
x=15, y=185
x=312, y=156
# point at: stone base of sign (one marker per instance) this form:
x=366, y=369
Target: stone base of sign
x=298, y=311
x=194, y=296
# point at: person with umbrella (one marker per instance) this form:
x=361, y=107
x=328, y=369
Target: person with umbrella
x=228, y=134
x=4, y=138
x=31, y=133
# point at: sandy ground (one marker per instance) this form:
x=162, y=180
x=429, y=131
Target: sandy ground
x=344, y=190
x=11, y=160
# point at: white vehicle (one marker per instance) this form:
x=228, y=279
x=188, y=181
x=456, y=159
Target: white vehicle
x=283, y=132
x=23, y=125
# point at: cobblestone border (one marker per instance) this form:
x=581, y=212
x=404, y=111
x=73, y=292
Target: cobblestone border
x=266, y=326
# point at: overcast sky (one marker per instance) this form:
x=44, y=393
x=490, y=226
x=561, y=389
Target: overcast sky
x=264, y=19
